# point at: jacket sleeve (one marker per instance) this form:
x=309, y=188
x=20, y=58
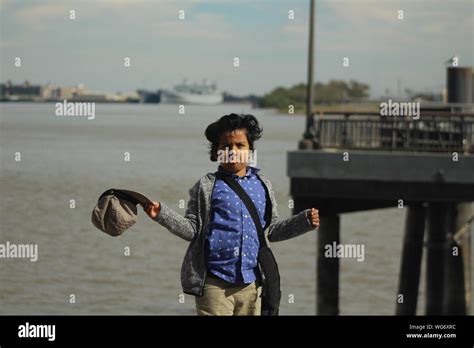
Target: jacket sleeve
x=184, y=227
x=289, y=228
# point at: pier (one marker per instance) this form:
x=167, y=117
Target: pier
x=420, y=159
x=360, y=161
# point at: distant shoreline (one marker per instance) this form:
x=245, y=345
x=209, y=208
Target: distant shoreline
x=369, y=106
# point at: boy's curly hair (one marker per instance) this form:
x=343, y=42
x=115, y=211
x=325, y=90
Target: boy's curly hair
x=229, y=123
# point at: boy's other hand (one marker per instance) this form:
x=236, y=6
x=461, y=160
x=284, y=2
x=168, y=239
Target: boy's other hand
x=313, y=216
x=152, y=210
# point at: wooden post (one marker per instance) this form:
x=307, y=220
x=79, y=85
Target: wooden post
x=409, y=279
x=436, y=251
x=328, y=268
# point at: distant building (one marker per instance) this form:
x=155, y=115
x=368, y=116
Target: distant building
x=49, y=93
x=25, y=91
x=62, y=93
x=78, y=93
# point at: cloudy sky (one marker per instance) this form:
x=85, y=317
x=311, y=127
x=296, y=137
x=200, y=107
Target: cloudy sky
x=271, y=47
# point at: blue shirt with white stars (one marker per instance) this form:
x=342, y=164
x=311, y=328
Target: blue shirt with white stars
x=232, y=241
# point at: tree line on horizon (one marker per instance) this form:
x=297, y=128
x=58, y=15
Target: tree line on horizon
x=335, y=91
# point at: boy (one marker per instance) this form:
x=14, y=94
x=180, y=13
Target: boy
x=220, y=266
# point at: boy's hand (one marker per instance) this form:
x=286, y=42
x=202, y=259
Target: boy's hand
x=152, y=210
x=313, y=216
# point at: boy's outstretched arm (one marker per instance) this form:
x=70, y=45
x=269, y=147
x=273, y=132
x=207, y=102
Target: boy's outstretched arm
x=185, y=226
x=294, y=226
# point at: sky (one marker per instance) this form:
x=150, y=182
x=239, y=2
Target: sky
x=383, y=51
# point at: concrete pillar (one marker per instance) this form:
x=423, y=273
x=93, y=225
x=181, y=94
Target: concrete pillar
x=328, y=268
x=455, y=273
x=464, y=225
x=409, y=278
x=436, y=251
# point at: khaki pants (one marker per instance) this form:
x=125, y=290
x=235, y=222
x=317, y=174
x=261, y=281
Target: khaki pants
x=223, y=298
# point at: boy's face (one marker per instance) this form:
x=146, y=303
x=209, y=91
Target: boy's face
x=233, y=150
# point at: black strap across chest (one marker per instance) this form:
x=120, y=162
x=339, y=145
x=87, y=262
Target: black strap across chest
x=234, y=185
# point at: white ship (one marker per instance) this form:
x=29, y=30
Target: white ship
x=203, y=94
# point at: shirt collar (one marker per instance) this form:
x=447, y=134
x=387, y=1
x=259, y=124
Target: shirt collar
x=250, y=172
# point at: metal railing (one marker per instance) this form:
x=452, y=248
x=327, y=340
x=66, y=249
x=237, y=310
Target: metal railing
x=433, y=131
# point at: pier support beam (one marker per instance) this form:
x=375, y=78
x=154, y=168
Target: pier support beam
x=436, y=252
x=328, y=268
x=409, y=278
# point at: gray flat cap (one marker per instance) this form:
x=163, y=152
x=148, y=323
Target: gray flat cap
x=116, y=210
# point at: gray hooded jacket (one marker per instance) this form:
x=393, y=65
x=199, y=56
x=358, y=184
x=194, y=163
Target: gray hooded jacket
x=193, y=227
